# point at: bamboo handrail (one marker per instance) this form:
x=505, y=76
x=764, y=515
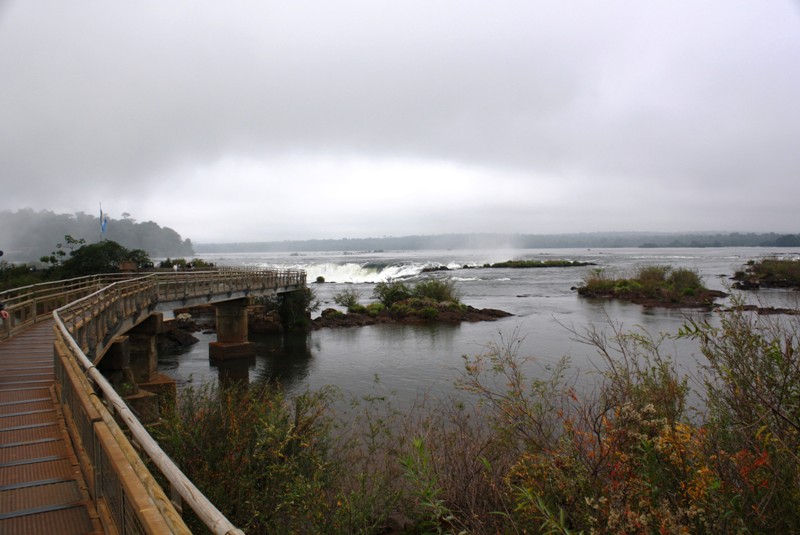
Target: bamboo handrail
x=207, y=512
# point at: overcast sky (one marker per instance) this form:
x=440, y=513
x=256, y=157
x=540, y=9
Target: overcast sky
x=265, y=120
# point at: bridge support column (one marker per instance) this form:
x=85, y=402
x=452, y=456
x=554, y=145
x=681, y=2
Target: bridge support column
x=232, y=342
x=144, y=348
x=116, y=365
x=152, y=388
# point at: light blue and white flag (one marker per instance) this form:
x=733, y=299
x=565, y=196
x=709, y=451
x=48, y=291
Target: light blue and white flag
x=103, y=222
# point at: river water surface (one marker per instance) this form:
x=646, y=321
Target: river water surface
x=409, y=360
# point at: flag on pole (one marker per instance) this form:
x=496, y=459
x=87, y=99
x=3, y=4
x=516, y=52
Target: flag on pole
x=103, y=221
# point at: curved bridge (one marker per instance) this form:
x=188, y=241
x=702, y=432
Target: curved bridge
x=90, y=315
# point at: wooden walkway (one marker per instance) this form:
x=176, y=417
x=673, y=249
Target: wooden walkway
x=41, y=487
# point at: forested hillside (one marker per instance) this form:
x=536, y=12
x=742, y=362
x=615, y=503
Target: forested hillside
x=26, y=235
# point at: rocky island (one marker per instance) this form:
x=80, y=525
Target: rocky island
x=430, y=300
x=652, y=286
x=769, y=273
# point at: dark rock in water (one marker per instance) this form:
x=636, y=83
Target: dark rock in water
x=432, y=269
x=201, y=317
x=262, y=321
x=174, y=340
x=766, y=311
x=747, y=284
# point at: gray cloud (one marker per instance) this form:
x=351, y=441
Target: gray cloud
x=516, y=116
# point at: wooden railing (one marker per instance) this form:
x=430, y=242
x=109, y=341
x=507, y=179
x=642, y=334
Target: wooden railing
x=30, y=304
x=93, y=311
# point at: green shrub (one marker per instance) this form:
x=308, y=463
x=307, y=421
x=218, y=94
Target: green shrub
x=682, y=279
x=347, y=298
x=652, y=278
x=389, y=293
x=17, y=276
x=374, y=309
x=652, y=275
x=400, y=310
x=418, y=303
x=357, y=309
x=597, y=281
x=429, y=313
x=261, y=459
x=440, y=290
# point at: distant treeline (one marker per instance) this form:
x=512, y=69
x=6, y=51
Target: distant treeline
x=514, y=241
x=26, y=235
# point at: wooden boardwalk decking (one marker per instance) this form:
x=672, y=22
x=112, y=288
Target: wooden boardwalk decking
x=41, y=486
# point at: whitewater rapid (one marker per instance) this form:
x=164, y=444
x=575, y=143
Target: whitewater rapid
x=368, y=272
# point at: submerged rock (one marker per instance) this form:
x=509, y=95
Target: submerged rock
x=175, y=340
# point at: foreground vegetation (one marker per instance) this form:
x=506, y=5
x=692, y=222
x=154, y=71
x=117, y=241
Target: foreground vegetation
x=651, y=286
x=769, y=273
x=524, y=450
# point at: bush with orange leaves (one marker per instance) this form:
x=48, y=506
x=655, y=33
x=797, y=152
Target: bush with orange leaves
x=631, y=457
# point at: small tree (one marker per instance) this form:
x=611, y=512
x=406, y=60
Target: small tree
x=296, y=308
x=347, y=298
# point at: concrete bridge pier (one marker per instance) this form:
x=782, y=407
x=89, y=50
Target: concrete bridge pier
x=131, y=365
x=144, y=358
x=232, y=342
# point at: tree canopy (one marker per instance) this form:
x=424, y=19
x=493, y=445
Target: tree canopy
x=103, y=257
x=27, y=234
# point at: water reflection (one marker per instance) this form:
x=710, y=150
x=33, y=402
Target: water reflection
x=230, y=372
x=285, y=359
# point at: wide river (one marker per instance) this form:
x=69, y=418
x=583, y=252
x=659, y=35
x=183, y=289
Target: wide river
x=409, y=360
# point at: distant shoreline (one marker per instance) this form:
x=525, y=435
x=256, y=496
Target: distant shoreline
x=513, y=241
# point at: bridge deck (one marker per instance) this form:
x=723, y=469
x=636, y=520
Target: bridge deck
x=41, y=487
